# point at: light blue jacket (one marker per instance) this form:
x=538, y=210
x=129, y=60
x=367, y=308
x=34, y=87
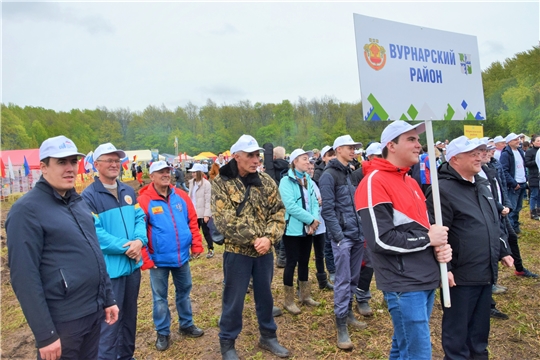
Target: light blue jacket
x=292, y=195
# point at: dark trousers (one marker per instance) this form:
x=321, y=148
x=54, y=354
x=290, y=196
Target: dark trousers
x=329, y=255
x=237, y=271
x=79, y=338
x=318, y=248
x=118, y=340
x=297, y=251
x=465, y=325
x=206, y=233
x=514, y=246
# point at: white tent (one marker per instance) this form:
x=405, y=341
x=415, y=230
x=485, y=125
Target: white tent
x=142, y=155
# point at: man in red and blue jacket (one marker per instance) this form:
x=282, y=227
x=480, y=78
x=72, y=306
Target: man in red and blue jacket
x=173, y=231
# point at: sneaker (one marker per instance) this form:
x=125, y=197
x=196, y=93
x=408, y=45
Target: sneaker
x=526, y=273
x=496, y=289
x=192, y=331
x=210, y=254
x=162, y=342
x=496, y=314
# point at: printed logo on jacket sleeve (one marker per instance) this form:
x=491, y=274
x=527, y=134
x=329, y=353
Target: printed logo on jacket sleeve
x=157, y=210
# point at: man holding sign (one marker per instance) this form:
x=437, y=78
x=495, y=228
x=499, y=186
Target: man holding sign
x=400, y=237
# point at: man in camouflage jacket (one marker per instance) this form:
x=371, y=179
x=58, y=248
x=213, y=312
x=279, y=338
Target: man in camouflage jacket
x=248, y=212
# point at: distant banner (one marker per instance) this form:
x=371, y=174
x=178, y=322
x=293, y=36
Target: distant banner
x=410, y=72
x=473, y=131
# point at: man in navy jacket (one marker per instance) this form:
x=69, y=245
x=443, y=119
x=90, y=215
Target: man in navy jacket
x=57, y=268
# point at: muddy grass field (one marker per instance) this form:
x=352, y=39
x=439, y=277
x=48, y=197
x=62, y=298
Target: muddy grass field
x=310, y=335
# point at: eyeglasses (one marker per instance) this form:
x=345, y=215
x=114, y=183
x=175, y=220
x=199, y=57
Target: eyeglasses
x=110, y=161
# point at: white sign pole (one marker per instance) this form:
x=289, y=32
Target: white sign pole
x=437, y=206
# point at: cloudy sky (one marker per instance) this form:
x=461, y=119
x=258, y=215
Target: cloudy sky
x=134, y=54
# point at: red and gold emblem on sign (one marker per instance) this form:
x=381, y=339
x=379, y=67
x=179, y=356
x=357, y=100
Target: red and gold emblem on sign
x=375, y=54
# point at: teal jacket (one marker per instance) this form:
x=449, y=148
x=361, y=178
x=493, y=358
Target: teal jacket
x=297, y=214
x=116, y=222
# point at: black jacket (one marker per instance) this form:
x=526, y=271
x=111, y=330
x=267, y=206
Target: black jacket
x=530, y=163
x=57, y=267
x=319, y=169
x=470, y=212
x=338, y=209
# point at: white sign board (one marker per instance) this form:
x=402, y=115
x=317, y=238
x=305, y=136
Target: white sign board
x=409, y=72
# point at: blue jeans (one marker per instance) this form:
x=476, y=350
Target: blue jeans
x=238, y=270
x=159, y=279
x=329, y=255
x=533, y=201
x=516, y=199
x=181, y=185
x=348, y=259
x=117, y=341
x=410, y=313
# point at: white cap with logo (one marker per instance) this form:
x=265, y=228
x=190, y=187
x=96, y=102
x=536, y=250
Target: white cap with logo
x=108, y=148
x=198, y=167
x=159, y=165
x=510, y=137
x=498, y=139
x=397, y=128
x=345, y=140
x=325, y=149
x=58, y=147
x=374, y=149
x=462, y=144
x=245, y=143
x=297, y=152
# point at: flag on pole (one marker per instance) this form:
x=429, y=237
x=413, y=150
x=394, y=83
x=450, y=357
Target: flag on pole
x=81, y=169
x=2, y=168
x=89, y=162
x=125, y=163
x=10, y=169
x=134, y=158
x=175, y=141
x=26, y=167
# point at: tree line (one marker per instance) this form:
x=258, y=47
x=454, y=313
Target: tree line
x=511, y=93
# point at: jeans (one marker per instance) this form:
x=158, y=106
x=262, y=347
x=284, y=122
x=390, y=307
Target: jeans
x=329, y=256
x=159, y=280
x=465, y=325
x=238, y=270
x=79, y=338
x=410, y=312
x=348, y=256
x=533, y=201
x=318, y=248
x=181, y=185
x=206, y=233
x=298, y=251
x=516, y=199
x=118, y=340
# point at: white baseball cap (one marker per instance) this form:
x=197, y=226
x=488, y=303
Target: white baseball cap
x=297, y=152
x=438, y=143
x=245, y=143
x=374, y=149
x=198, y=167
x=498, y=139
x=325, y=149
x=462, y=144
x=58, y=147
x=510, y=137
x=108, y=148
x=397, y=128
x=158, y=165
x=345, y=140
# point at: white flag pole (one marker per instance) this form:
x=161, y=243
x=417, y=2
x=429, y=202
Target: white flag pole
x=437, y=206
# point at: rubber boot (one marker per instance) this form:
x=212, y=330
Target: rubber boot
x=289, y=304
x=228, y=352
x=305, y=294
x=323, y=282
x=364, y=309
x=269, y=342
x=343, y=339
x=351, y=320
x=276, y=311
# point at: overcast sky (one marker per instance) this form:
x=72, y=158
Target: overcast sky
x=82, y=55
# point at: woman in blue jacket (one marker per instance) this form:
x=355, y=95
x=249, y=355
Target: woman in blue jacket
x=302, y=214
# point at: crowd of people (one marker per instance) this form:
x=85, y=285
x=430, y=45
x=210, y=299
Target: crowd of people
x=76, y=263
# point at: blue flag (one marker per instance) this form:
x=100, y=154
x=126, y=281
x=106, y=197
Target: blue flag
x=26, y=167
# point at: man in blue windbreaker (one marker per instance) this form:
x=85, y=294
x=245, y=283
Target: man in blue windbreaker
x=121, y=230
